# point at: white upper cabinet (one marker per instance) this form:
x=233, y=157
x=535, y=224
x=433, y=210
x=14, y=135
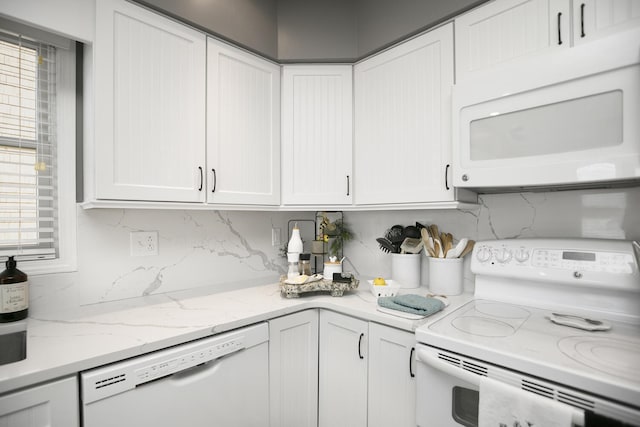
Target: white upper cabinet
x=505, y=30
x=403, y=122
x=149, y=106
x=599, y=18
x=243, y=127
x=317, y=132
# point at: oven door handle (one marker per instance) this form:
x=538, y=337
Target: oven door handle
x=425, y=357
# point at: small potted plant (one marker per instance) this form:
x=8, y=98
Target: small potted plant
x=335, y=234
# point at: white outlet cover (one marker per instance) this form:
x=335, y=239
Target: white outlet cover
x=144, y=243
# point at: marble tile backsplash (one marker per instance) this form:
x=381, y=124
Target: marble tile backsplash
x=232, y=249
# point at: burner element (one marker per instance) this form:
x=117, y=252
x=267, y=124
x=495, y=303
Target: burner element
x=483, y=326
x=611, y=356
x=496, y=309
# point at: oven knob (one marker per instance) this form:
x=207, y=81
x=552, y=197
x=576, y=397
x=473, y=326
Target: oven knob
x=483, y=254
x=504, y=255
x=522, y=255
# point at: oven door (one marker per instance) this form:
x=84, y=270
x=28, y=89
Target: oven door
x=448, y=396
x=443, y=399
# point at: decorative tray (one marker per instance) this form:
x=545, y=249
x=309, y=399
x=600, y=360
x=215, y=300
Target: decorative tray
x=335, y=288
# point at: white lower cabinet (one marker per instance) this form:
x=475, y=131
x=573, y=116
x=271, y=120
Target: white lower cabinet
x=293, y=370
x=392, y=384
x=365, y=374
x=53, y=404
x=342, y=371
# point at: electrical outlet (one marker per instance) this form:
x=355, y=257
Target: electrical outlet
x=144, y=243
x=275, y=237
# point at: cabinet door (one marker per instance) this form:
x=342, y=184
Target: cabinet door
x=403, y=121
x=391, y=377
x=317, y=134
x=243, y=127
x=293, y=370
x=594, y=19
x=504, y=30
x=149, y=106
x=343, y=371
x=54, y=404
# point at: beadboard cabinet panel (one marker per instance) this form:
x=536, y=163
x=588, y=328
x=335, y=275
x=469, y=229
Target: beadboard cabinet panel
x=342, y=371
x=392, y=382
x=243, y=127
x=317, y=134
x=293, y=370
x=150, y=104
x=504, y=30
x=403, y=122
x=594, y=19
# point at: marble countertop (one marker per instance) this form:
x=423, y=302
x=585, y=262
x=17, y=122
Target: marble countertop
x=90, y=336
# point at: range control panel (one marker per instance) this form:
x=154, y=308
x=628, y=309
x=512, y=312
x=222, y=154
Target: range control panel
x=546, y=259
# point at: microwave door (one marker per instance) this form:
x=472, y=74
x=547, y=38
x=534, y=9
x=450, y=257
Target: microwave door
x=576, y=131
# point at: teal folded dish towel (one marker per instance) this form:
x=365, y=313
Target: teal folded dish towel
x=411, y=303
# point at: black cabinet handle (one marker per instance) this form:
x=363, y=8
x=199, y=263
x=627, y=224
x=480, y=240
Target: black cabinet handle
x=559, y=28
x=359, y=345
x=582, y=34
x=348, y=186
x=215, y=180
x=413, y=349
x=201, y=178
x=446, y=177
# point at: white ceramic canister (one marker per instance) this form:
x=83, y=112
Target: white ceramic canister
x=330, y=268
x=446, y=276
x=405, y=270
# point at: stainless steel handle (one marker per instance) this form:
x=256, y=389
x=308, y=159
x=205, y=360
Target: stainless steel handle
x=360, y=345
x=348, y=185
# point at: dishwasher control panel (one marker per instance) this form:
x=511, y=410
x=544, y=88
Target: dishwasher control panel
x=119, y=377
x=186, y=361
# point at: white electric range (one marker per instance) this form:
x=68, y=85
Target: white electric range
x=525, y=327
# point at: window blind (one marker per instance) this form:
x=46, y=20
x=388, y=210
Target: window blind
x=28, y=193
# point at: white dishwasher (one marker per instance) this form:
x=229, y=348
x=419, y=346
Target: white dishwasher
x=222, y=380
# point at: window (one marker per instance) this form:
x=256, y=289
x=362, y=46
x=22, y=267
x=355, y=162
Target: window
x=37, y=213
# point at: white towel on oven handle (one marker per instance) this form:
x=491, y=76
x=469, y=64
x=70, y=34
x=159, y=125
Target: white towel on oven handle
x=503, y=405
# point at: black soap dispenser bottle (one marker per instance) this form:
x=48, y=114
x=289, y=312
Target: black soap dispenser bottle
x=14, y=293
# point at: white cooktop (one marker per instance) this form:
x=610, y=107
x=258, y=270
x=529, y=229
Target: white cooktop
x=524, y=339
x=520, y=283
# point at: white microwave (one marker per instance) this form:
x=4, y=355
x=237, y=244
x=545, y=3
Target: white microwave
x=570, y=118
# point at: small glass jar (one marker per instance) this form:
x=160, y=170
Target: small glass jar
x=304, y=265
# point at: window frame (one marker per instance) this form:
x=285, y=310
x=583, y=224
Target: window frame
x=66, y=259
